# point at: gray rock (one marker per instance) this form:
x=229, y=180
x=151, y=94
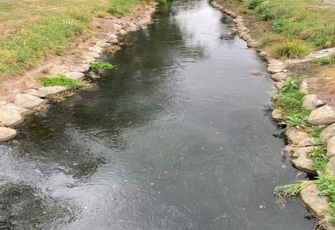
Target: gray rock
x=318, y=205
x=102, y=44
x=331, y=147
x=303, y=87
x=279, y=84
x=122, y=32
x=324, y=115
x=309, y=101
x=277, y=115
x=330, y=168
x=7, y=133
x=28, y=101
x=36, y=93
x=11, y=114
x=93, y=54
x=319, y=103
x=52, y=90
x=298, y=137
x=279, y=76
x=117, y=27
x=96, y=49
x=276, y=67
x=327, y=133
x=75, y=75
x=112, y=38
x=301, y=161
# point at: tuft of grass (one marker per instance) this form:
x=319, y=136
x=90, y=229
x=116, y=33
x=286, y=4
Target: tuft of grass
x=318, y=155
x=100, y=65
x=60, y=81
x=252, y=4
x=290, y=190
x=120, y=8
x=101, y=13
x=326, y=185
x=325, y=61
x=290, y=50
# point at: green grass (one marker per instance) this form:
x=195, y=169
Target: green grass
x=325, y=61
x=100, y=65
x=290, y=50
x=60, y=81
x=290, y=190
x=31, y=30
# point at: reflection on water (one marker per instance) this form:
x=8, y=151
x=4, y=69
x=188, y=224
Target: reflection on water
x=177, y=137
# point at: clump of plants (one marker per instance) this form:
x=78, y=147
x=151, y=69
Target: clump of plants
x=100, y=65
x=290, y=50
x=330, y=60
x=252, y=4
x=60, y=81
x=290, y=190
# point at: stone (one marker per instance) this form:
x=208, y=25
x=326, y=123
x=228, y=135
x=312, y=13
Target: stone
x=36, y=93
x=253, y=44
x=331, y=147
x=309, y=101
x=279, y=84
x=303, y=87
x=96, y=49
x=279, y=76
x=52, y=90
x=327, y=133
x=12, y=115
x=7, y=133
x=324, y=115
x=301, y=161
x=28, y=101
x=75, y=75
x=277, y=115
x=330, y=168
x=317, y=205
x=122, y=32
x=298, y=137
x=276, y=67
x=102, y=44
x=83, y=68
x=117, y=27
x=112, y=38
x=93, y=54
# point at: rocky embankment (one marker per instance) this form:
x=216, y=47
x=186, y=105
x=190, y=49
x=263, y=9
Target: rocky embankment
x=23, y=95
x=300, y=142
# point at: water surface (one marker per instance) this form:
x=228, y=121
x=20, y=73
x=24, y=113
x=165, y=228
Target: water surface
x=177, y=137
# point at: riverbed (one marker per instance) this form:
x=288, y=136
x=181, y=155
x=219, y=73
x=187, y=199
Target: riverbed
x=178, y=136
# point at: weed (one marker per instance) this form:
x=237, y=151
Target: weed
x=252, y=4
x=318, y=155
x=330, y=60
x=290, y=190
x=326, y=185
x=290, y=49
x=100, y=65
x=315, y=133
x=101, y=13
x=60, y=81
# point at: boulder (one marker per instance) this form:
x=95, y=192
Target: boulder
x=277, y=115
x=279, y=76
x=36, y=93
x=300, y=160
x=52, y=90
x=28, y=101
x=303, y=87
x=96, y=49
x=75, y=75
x=324, y=115
x=309, y=101
x=331, y=147
x=330, y=168
x=318, y=205
x=298, y=137
x=117, y=27
x=327, y=133
x=7, y=133
x=279, y=84
x=11, y=114
x=276, y=68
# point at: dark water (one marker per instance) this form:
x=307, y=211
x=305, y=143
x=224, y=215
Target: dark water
x=177, y=137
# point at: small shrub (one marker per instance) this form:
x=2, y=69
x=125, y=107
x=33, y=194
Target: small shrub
x=290, y=190
x=290, y=49
x=60, y=81
x=326, y=185
x=101, y=13
x=252, y=4
x=100, y=65
x=266, y=10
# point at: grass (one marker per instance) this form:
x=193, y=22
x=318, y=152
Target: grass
x=100, y=65
x=330, y=60
x=290, y=190
x=32, y=30
x=60, y=81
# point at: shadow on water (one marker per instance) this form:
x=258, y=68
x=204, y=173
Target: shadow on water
x=178, y=136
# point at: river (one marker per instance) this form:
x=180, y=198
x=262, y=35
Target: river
x=178, y=136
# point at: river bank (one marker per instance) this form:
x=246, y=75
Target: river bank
x=317, y=96
x=23, y=95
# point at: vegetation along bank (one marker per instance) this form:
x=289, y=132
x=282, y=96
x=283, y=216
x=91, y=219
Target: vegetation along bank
x=297, y=39
x=47, y=47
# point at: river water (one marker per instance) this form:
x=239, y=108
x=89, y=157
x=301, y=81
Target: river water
x=177, y=137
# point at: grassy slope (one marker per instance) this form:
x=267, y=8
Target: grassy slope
x=33, y=29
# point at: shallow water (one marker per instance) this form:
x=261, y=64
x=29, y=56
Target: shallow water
x=177, y=137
